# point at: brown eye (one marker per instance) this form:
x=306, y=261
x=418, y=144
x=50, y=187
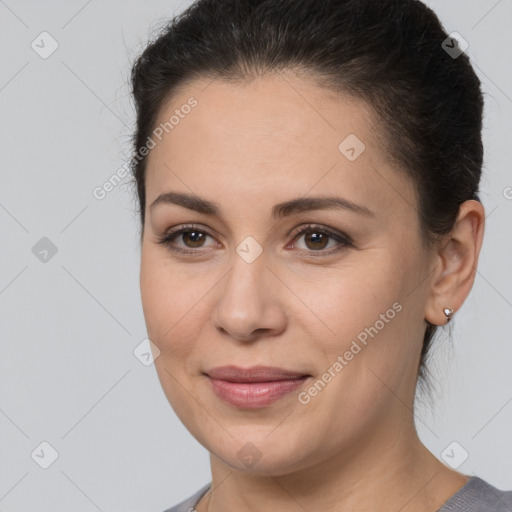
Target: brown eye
x=190, y=237
x=316, y=240
x=196, y=238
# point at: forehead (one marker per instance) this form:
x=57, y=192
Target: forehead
x=279, y=111
x=278, y=130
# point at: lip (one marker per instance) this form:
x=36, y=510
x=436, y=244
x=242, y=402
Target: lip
x=253, y=374
x=255, y=387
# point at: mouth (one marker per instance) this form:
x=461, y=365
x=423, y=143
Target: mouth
x=255, y=387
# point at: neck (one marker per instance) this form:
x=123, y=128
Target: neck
x=388, y=470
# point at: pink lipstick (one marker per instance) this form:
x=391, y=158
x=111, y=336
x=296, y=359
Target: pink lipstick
x=254, y=387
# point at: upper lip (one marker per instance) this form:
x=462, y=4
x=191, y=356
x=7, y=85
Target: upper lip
x=254, y=374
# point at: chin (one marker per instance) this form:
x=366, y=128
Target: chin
x=256, y=452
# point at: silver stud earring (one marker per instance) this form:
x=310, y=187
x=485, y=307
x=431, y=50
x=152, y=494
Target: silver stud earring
x=448, y=313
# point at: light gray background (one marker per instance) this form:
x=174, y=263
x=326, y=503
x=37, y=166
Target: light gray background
x=68, y=375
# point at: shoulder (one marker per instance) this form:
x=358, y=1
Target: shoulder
x=478, y=495
x=475, y=496
x=189, y=504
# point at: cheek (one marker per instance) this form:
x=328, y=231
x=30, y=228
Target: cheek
x=362, y=314
x=169, y=315
x=151, y=296
x=162, y=298
x=349, y=299
x=173, y=305
x=379, y=349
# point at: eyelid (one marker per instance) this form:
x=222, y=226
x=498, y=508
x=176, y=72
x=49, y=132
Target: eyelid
x=318, y=227
x=342, y=239
x=171, y=235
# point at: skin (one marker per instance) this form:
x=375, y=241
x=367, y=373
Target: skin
x=248, y=147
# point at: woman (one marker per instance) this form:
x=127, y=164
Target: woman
x=308, y=174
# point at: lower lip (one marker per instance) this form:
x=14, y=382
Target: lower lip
x=253, y=395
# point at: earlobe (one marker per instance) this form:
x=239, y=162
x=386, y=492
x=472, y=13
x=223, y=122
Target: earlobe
x=457, y=259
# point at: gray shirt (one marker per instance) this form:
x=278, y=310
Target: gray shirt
x=476, y=496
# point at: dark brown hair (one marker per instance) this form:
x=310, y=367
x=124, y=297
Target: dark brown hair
x=427, y=101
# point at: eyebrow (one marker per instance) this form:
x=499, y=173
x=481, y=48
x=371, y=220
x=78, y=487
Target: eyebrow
x=293, y=206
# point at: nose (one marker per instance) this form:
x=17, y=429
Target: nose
x=249, y=304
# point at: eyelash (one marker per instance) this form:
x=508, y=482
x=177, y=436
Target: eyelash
x=168, y=239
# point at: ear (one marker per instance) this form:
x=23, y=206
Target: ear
x=455, y=263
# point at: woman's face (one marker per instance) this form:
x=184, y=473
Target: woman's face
x=342, y=304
